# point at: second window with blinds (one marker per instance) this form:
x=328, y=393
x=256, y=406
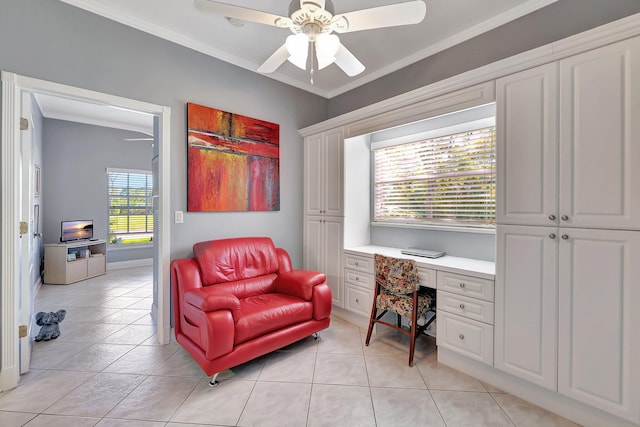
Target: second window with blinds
x=437, y=173
x=130, y=207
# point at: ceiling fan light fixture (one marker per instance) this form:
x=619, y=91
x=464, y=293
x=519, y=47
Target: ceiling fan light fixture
x=298, y=47
x=327, y=46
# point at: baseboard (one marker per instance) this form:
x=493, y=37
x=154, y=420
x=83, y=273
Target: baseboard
x=550, y=400
x=130, y=263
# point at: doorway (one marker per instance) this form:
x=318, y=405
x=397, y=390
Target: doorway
x=13, y=87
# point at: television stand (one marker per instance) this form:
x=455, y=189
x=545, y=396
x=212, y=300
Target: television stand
x=70, y=262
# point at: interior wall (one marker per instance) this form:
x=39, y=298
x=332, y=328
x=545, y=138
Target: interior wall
x=92, y=52
x=546, y=25
x=36, y=159
x=75, y=158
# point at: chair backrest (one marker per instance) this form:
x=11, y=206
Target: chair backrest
x=397, y=275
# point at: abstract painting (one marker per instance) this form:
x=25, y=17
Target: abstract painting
x=233, y=162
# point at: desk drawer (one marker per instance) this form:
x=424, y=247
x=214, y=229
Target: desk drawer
x=358, y=278
x=465, y=336
x=466, y=285
x=359, y=263
x=427, y=277
x=359, y=300
x=470, y=308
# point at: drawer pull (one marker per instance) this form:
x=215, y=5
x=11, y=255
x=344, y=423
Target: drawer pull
x=461, y=306
x=355, y=263
x=462, y=285
x=357, y=279
x=357, y=301
x=461, y=336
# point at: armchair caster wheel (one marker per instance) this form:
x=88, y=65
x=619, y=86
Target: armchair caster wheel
x=213, y=382
x=316, y=336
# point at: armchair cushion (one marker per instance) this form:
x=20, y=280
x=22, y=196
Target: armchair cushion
x=266, y=313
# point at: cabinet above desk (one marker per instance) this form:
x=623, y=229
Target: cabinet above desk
x=466, y=266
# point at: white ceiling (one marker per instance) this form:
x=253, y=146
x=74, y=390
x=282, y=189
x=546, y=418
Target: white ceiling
x=382, y=51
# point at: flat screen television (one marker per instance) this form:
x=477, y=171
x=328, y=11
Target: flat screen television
x=76, y=230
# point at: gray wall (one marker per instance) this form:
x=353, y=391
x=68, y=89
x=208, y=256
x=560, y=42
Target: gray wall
x=551, y=23
x=53, y=41
x=75, y=158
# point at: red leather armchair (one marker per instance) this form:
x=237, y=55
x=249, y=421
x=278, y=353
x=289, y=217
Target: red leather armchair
x=238, y=299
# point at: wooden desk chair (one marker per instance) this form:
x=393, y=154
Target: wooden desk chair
x=397, y=290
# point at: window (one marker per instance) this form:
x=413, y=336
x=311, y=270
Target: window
x=130, y=207
x=442, y=180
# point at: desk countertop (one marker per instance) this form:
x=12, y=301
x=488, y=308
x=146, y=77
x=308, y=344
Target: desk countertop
x=477, y=268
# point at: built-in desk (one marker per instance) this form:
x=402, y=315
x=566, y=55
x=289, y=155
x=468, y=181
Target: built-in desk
x=464, y=298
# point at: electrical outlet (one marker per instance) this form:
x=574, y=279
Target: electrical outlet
x=179, y=217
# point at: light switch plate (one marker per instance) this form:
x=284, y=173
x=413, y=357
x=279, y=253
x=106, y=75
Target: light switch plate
x=179, y=217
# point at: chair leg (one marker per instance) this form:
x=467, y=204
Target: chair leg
x=214, y=381
x=374, y=312
x=399, y=320
x=414, y=327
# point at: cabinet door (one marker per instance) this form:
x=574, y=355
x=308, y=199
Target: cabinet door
x=527, y=145
x=526, y=303
x=333, y=257
x=322, y=249
x=313, y=176
x=334, y=171
x=599, y=319
x=323, y=175
x=600, y=137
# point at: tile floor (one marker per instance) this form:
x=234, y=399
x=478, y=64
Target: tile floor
x=106, y=370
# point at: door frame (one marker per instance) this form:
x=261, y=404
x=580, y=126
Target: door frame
x=13, y=85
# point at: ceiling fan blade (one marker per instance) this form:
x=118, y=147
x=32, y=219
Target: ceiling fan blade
x=412, y=12
x=348, y=62
x=275, y=60
x=241, y=13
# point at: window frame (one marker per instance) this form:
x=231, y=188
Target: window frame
x=463, y=121
x=148, y=207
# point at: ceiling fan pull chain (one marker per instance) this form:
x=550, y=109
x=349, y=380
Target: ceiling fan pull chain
x=311, y=45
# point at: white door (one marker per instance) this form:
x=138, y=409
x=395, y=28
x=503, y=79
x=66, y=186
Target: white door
x=26, y=241
x=333, y=172
x=526, y=303
x=332, y=231
x=598, y=333
x=313, y=176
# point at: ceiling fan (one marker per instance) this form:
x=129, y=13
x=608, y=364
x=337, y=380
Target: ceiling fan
x=312, y=23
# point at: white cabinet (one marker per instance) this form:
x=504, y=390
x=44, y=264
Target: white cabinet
x=322, y=249
x=465, y=315
x=588, y=177
x=323, y=207
x=323, y=176
x=568, y=216
x=359, y=283
x=599, y=319
x=526, y=303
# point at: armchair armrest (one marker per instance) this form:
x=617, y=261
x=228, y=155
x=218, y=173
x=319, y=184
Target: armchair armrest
x=206, y=300
x=299, y=283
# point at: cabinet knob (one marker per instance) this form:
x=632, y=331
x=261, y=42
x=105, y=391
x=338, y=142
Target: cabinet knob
x=461, y=336
x=462, y=285
x=357, y=301
x=565, y=237
x=552, y=217
x=356, y=263
x=564, y=218
x=357, y=279
x=552, y=236
x=461, y=306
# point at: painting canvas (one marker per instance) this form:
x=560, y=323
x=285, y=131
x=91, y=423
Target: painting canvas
x=233, y=162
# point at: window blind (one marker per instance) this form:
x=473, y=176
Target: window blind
x=130, y=205
x=448, y=180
